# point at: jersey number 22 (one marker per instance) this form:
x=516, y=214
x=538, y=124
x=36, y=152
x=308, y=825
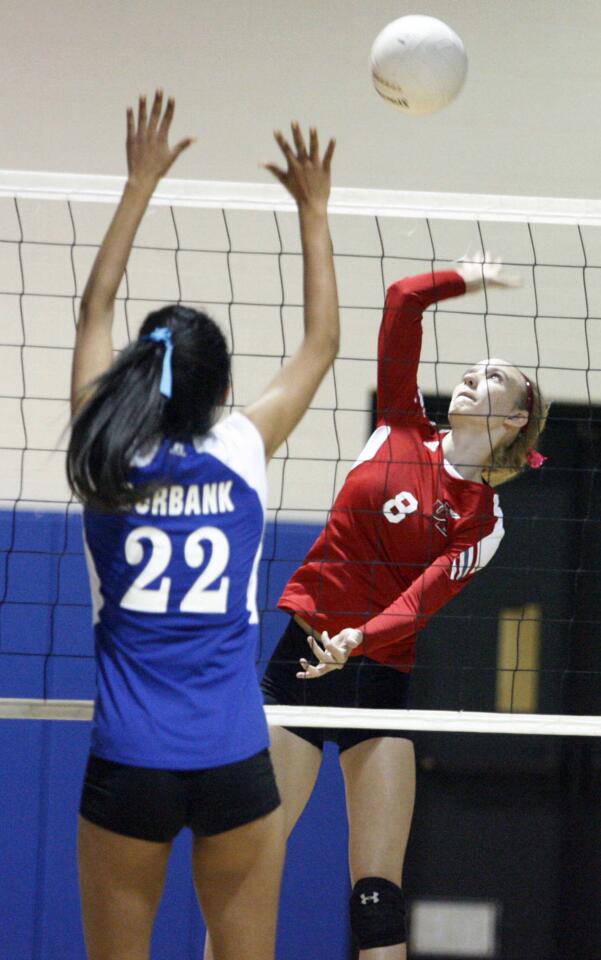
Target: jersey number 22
x=204, y=596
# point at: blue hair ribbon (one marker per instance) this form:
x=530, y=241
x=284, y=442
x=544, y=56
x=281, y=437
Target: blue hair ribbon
x=164, y=335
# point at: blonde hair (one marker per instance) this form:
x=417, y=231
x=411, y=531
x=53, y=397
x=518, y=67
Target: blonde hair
x=508, y=462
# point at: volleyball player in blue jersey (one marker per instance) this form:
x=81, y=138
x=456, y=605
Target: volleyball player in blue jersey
x=174, y=512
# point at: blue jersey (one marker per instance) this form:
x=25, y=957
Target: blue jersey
x=174, y=594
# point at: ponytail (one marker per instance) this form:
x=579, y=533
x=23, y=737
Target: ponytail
x=130, y=409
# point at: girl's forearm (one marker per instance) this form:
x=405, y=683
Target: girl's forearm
x=111, y=259
x=320, y=290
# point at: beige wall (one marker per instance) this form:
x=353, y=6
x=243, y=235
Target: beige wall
x=527, y=121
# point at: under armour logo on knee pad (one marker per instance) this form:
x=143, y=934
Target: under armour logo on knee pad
x=377, y=913
x=372, y=898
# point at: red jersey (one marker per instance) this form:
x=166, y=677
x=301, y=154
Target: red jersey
x=406, y=533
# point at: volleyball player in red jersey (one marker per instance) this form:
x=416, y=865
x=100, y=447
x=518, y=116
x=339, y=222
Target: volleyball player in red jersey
x=414, y=521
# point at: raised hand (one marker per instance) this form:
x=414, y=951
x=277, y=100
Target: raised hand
x=332, y=654
x=149, y=155
x=307, y=176
x=482, y=269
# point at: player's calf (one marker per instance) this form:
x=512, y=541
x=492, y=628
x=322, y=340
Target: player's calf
x=377, y=913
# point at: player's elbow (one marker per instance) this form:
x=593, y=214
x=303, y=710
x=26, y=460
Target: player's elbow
x=395, y=289
x=324, y=344
x=399, y=291
x=97, y=299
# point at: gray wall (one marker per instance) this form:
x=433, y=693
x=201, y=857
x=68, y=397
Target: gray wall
x=526, y=122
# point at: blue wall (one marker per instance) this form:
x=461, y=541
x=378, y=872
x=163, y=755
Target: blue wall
x=46, y=651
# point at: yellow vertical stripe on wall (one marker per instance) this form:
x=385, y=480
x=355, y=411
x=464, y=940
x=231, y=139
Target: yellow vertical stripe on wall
x=518, y=657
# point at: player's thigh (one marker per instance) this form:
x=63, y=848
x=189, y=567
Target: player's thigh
x=296, y=763
x=379, y=777
x=121, y=881
x=237, y=876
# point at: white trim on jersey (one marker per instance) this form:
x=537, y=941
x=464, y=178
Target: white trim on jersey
x=377, y=439
x=237, y=443
x=97, y=598
x=477, y=556
x=146, y=455
x=251, y=593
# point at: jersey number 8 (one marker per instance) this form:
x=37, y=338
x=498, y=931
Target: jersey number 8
x=199, y=598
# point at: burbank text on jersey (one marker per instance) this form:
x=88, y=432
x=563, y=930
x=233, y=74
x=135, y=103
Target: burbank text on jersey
x=174, y=601
x=196, y=499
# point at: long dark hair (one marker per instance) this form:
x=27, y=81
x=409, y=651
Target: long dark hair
x=126, y=411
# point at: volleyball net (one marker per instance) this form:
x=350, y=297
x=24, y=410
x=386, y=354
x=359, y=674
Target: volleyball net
x=517, y=652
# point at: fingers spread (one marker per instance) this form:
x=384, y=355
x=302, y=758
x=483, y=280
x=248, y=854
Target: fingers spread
x=155, y=113
x=317, y=649
x=277, y=173
x=313, y=672
x=338, y=654
x=285, y=148
x=167, y=118
x=142, y=115
x=299, y=142
x=327, y=157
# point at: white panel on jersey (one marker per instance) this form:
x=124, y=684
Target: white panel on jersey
x=251, y=593
x=378, y=437
x=97, y=598
x=477, y=556
x=449, y=467
x=146, y=455
x=490, y=544
x=237, y=443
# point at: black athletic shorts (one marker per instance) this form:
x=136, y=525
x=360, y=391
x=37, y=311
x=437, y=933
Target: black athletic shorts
x=152, y=804
x=361, y=683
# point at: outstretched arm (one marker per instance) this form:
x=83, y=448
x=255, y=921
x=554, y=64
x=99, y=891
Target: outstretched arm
x=287, y=397
x=396, y=626
x=400, y=340
x=149, y=157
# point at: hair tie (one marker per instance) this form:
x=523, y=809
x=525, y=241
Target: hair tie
x=535, y=459
x=164, y=335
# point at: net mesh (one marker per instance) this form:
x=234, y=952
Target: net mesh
x=521, y=640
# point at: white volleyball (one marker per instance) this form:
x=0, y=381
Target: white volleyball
x=418, y=64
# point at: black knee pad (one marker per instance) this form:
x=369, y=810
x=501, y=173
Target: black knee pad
x=377, y=913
